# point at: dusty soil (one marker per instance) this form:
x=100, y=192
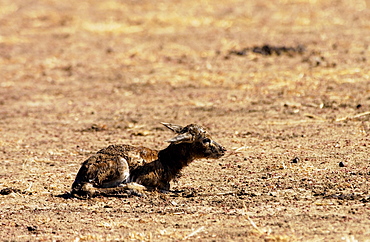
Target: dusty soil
x=284, y=85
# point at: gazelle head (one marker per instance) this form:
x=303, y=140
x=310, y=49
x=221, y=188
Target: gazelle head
x=202, y=145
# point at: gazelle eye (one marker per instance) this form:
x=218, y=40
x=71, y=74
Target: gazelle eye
x=206, y=140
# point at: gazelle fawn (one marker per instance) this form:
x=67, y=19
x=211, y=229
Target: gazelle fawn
x=125, y=169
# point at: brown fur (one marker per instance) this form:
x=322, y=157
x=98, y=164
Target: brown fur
x=126, y=169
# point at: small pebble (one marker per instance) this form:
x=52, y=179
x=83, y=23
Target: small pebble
x=295, y=160
x=32, y=228
x=341, y=164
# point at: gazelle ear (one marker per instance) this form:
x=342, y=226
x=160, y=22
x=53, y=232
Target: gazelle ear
x=175, y=128
x=182, y=138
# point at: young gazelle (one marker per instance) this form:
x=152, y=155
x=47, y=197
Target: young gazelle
x=125, y=169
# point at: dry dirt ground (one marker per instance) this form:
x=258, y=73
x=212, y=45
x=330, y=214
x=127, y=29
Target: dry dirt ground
x=284, y=85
